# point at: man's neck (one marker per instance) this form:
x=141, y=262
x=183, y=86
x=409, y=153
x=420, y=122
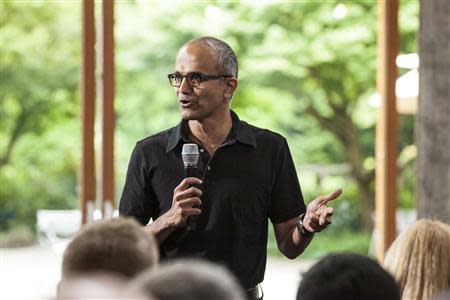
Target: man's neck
x=211, y=132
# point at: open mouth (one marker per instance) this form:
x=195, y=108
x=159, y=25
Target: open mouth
x=186, y=103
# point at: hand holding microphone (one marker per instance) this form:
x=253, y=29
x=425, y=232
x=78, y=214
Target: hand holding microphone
x=186, y=196
x=185, y=203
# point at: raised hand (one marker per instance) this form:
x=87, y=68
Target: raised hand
x=318, y=214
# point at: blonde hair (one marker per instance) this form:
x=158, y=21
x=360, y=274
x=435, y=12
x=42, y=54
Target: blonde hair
x=419, y=259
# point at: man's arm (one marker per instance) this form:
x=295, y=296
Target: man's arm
x=291, y=242
x=183, y=202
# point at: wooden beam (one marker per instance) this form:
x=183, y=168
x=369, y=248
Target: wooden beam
x=386, y=131
x=87, y=93
x=108, y=115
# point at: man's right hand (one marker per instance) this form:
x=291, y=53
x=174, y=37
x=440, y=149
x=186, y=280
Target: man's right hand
x=185, y=197
x=185, y=203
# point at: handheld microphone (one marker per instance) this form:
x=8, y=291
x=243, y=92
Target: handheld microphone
x=190, y=157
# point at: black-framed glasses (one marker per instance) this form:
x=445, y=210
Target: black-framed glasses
x=193, y=78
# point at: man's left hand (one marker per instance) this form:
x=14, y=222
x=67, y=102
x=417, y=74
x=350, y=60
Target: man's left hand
x=318, y=214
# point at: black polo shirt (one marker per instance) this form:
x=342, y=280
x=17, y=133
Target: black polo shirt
x=250, y=178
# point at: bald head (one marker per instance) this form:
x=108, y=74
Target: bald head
x=226, y=60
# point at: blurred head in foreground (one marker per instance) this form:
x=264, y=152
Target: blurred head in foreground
x=119, y=246
x=99, y=286
x=347, y=276
x=190, y=280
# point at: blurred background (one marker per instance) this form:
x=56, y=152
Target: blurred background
x=307, y=71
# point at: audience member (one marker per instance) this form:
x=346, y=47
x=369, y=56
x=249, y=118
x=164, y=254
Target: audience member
x=190, y=280
x=419, y=260
x=347, y=276
x=119, y=246
x=99, y=286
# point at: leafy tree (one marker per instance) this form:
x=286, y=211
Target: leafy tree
x=39, y=111
x=328, y=66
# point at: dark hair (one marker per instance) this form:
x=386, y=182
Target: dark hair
x=347, y=276
x=120, y=246
x=227, y=62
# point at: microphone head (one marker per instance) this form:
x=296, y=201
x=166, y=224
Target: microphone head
x=190, y=154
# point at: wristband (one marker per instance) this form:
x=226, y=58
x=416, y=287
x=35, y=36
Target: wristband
x=301, y=228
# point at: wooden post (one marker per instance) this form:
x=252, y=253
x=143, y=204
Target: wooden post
x=87, y=81
x=386, y=131
x=108, y=115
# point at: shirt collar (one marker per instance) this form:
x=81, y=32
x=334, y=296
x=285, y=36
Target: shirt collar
x=240, y=131
x=176, y=134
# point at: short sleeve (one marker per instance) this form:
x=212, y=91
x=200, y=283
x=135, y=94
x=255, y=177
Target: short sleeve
x=137, y=196
x=286, y=196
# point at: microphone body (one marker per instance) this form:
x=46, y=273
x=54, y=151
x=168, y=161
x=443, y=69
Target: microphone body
x=190, y=155
x=190, y=171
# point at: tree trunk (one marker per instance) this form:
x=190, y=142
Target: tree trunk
x=341, y=125
x=362, y=178
x=433, y=122
x=17, y=131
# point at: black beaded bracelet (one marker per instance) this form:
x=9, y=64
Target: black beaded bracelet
x=303, y=231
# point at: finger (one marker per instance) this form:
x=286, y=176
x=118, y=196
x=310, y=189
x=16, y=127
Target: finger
x=325, y=216
x=313, y=223
x=191, y=212
x=190, y=192
x=190, y=202
x=323, y=221
x=327, y=212
x=185, y=183
x=319, y=210
x=327, y=198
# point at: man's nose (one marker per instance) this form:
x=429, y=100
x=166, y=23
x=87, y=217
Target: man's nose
x=184, y=86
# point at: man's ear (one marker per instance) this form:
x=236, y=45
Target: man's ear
x=231, y=86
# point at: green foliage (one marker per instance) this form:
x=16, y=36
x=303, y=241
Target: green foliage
x=327, y=242
x=40, y=120
x=44, y=176
x=345, y=241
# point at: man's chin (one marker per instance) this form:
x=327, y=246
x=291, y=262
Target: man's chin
x=187, y=114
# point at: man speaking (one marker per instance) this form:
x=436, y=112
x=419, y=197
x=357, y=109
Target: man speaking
x=245, y=176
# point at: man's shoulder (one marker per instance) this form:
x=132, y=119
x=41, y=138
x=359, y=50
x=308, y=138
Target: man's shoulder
x=158, y=139
x=264, y=134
